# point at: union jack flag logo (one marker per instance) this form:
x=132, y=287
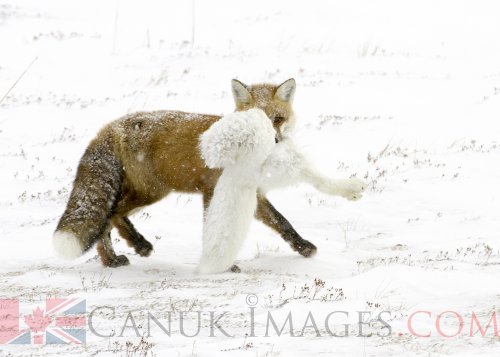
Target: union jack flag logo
x=60, y=321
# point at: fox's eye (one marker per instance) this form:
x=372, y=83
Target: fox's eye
x=278, y=119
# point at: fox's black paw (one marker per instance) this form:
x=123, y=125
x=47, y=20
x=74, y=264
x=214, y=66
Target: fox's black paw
x=118, y=261
x=235, y=269
x=305, y=248
x=144, y=248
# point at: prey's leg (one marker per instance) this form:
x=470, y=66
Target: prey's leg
x=287, y=166
x=351, y=189
x=207, y=197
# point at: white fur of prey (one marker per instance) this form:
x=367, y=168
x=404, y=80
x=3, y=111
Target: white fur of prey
x=287, y=166
x=239, y=143
x=243, y=144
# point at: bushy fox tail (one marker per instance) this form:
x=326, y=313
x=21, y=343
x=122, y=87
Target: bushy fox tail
x=93, y=199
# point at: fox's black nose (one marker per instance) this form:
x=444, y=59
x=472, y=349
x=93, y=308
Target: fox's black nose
x=277, y=137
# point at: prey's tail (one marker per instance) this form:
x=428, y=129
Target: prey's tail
x=93, y=199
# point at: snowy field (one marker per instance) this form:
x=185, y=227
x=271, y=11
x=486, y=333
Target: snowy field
x=404, y=94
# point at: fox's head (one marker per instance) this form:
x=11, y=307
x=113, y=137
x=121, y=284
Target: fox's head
x=274, y=100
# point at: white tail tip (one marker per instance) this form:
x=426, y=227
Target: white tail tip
x=66, y=245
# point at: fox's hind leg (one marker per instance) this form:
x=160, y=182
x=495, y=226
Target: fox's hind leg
x=134, y=239
x=275, y=220
x=107, y=253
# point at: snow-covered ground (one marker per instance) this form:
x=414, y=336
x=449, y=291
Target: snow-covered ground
x=405, y=94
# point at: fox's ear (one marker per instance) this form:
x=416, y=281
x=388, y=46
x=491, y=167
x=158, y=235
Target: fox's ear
x=286, y=90
x=240, y=93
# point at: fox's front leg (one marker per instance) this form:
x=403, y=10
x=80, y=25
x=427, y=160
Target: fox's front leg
x=271, y=217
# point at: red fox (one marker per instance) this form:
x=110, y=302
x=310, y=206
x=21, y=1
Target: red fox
x=139, y=159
